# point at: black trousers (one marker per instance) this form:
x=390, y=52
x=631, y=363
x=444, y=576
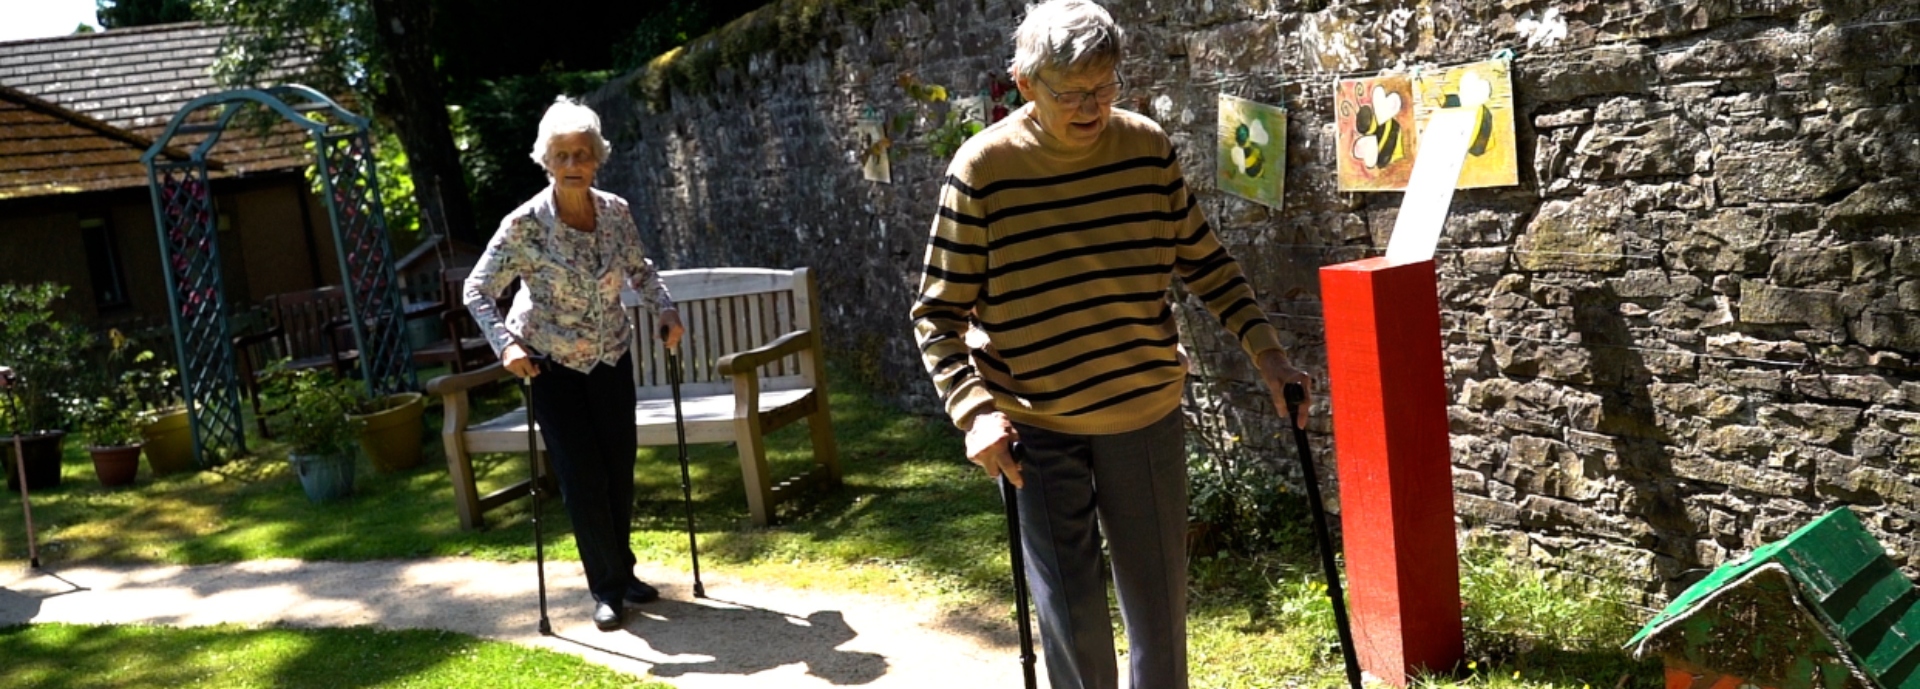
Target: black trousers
x=586, y=420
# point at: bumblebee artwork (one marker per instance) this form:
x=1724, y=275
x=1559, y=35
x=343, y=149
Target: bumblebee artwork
x=1378, y=129
x=1374, y=132
x=1485, y=88
x=1252, y=150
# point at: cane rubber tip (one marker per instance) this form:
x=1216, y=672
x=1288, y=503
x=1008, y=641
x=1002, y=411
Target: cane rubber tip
x=699, y=592
x=546, y=628
x=1295, y=394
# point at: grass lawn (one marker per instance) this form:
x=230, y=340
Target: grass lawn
x=55, y=656
x=914, y=520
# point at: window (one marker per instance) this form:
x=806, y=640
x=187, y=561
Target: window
x=103, y=264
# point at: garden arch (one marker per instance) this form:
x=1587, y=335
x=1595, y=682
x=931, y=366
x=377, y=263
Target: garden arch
x=185, y=221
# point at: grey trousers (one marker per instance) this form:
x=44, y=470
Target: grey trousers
x=1135, y=484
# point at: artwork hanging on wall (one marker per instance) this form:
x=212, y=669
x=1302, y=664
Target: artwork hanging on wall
x=1486, y=89
x=871, y=135
x=1374, y=132
x=1253, y=150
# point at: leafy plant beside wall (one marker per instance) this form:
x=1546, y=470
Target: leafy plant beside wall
x=791, y=29
x=46, y=353
x=957, y=124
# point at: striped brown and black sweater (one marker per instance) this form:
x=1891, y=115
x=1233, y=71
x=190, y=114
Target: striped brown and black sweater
x=1064, y=261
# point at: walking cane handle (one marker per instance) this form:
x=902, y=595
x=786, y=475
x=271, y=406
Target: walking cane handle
x=1295, y=394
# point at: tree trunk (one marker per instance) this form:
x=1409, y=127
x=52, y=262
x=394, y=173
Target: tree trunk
x=414, y=100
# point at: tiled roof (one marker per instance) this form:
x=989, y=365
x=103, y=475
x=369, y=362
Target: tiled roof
x=133, y=80
x=46, y=150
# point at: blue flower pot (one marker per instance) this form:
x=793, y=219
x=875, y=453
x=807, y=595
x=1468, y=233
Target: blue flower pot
x=325, y=477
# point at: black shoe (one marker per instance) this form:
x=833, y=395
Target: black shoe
x=607, y=616
x=640, y=592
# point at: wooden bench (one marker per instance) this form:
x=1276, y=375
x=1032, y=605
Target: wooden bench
x=306, y=328
x=752, y=361
x=460, y=345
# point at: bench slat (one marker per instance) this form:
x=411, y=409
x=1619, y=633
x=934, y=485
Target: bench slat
x=713, y=413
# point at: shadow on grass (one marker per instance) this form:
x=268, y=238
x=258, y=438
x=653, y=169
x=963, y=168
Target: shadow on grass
x=56, y=656
x=909, y=501
x=912, y=508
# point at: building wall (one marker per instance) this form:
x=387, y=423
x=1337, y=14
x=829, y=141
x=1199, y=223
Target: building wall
x=263, y=249
x=1693, y=326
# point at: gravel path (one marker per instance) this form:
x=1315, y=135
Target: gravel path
x=744, y=635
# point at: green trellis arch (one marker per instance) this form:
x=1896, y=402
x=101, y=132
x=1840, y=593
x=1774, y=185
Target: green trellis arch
x=184, y=218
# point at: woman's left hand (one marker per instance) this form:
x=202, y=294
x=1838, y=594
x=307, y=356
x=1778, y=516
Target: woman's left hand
x=670, y=328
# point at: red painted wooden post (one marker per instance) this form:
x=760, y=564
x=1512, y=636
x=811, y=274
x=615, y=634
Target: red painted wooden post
x=1389, y=396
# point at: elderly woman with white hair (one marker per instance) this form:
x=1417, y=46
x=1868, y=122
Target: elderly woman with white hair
x=572, y=247
x=1060, y=230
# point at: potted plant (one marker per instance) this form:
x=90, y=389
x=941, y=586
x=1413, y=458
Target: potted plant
x=111, y=396
x=390, y=430
x=45, y=352
x=310, y=413
x=166, y=433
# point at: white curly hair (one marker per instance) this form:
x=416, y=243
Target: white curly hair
x=569, y=116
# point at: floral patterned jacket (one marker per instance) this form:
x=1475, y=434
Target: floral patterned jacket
x=568, y=307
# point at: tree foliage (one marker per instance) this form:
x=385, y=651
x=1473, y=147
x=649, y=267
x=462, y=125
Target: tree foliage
x=381, y=51
x=332, y=33
x=497, y=63
x=121, y=14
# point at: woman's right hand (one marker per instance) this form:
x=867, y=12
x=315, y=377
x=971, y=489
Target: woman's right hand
x=516, y=360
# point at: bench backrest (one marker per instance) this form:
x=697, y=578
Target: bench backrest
x=304, y=317
x=727, y=310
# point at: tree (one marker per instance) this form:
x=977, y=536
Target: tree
x=120, y=14
x=672, y=23
x=380, y=50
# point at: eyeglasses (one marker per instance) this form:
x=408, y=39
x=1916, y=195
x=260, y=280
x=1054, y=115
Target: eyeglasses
x=1072, y=100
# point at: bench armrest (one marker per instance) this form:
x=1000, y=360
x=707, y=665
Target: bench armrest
x=268, y=335
x=745, y=363
x=462, y=382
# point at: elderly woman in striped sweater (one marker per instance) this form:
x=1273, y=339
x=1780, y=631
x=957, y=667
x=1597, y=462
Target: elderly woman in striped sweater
x=1059, y=232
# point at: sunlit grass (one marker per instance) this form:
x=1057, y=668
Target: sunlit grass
x=914, y=519
x=57, y=656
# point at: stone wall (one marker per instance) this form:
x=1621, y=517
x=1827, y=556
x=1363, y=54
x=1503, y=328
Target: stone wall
x=1692, y=327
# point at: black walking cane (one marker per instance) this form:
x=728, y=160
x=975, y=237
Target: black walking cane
x=533, y=460
x=686, y=481
x=1010, y=496
x=1295, y=395
x=20, y=466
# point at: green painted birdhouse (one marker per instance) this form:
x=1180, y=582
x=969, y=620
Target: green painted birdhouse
x=1823, y=608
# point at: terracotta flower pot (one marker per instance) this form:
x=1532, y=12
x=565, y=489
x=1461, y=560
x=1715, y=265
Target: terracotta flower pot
x=116, y=466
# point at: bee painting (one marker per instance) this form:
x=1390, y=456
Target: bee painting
x=1252, y=151
x=1486, y=88
x=1374, y=132
x=875, y=164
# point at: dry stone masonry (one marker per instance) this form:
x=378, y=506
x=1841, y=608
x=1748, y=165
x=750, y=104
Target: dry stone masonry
x=1693, y=326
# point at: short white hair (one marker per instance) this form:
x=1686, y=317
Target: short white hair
x=1064, y=35
x=568, y=116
